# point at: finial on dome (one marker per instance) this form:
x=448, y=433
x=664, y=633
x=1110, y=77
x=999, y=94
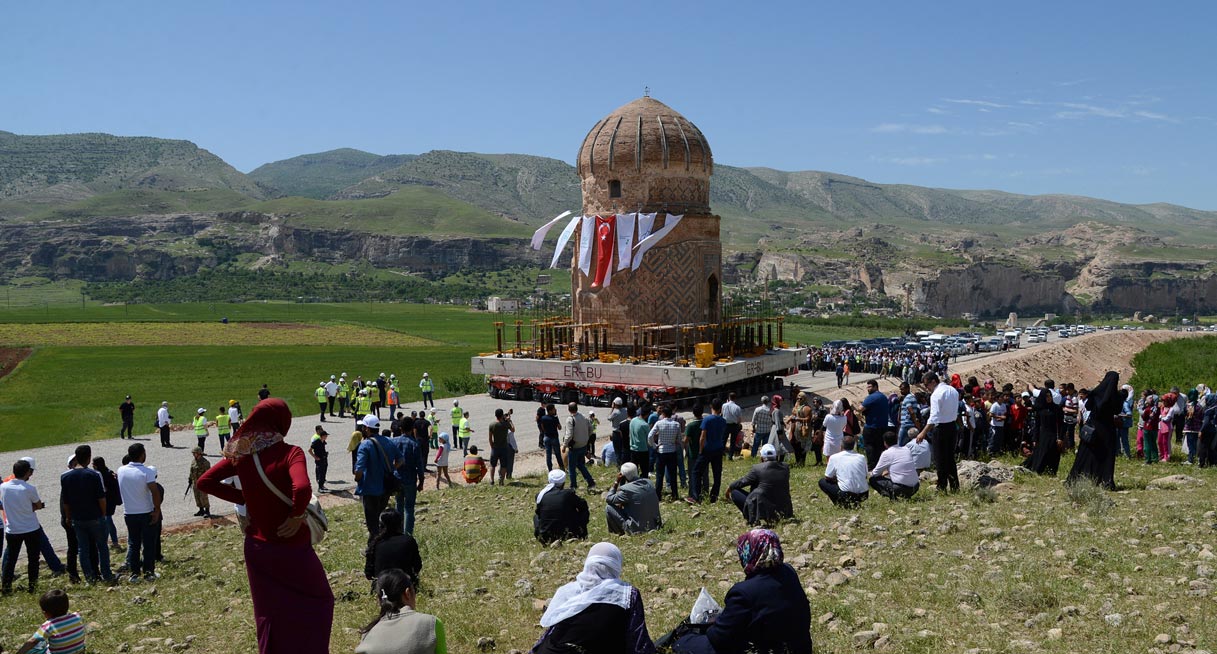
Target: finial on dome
x=646, y=91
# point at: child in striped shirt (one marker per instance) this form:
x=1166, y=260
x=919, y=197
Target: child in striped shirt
x=62, y=633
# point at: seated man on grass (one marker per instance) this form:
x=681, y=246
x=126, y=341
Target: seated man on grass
x=844, y=479
x=895, y=475
x=632, y=504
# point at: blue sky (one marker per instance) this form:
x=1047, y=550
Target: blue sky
x=1108, y=99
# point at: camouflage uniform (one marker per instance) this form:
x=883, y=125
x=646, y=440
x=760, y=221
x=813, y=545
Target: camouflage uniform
x=197, y=468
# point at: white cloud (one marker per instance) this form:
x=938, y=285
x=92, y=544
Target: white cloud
x=909, y=161
x=897, y=128
x=937, y=110
x=1080, y=110
x=1154, y=116
x=978, y=103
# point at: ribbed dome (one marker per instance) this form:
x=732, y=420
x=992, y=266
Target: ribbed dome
x=645, y=157
x=642, y=134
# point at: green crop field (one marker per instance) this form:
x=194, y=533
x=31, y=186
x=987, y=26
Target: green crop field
x=1182, y=362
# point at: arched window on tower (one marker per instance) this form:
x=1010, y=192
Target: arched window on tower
x=614, y=188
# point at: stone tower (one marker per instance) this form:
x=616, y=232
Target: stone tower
x=646, y=158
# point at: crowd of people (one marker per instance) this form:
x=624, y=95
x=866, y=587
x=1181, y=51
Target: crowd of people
x=887, y=362
x=883, y=444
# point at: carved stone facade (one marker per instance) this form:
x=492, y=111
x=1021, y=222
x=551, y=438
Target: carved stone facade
x=644, y=157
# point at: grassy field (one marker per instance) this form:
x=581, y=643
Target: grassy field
x=1031, y=568
x=197, y=333
x=1182, y=362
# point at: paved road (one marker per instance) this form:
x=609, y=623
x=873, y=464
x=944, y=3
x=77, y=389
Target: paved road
x=174, y=464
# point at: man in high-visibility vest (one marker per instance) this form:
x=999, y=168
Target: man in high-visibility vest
x=200, y=426
x=363, y=404
x=457, y=414
x=428, y=388
x=465, y=432
x=322, y=399
x=344, y=395
x=223, y=426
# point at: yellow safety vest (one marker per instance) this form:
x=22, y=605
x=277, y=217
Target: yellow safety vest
x=321, y=394
x=200, y=426
x=427, y=385
x=456, y=415
x=223, y=424
x=465, y=431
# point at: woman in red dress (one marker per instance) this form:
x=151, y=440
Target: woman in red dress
x=293, y=603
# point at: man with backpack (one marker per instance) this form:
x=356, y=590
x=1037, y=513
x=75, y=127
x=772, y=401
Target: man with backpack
x=376, y=460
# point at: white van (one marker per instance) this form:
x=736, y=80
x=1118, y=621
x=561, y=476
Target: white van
x=1013, y=339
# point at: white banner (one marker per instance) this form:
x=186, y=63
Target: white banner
x=538, y=236
x=563, y=238
x=586, y=234
x=625, y=239
x=646, y=222
x=649, y=242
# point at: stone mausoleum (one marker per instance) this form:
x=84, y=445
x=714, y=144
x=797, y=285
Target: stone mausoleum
x=646, y=158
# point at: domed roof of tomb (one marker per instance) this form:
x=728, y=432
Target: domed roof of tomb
x=645, y=135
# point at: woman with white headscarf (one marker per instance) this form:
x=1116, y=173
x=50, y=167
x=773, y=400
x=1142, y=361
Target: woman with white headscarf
x=597, y=613
x=560, y=512
x=834, y=429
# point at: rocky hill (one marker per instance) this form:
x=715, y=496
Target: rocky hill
x=70, y=167
x=154, y=208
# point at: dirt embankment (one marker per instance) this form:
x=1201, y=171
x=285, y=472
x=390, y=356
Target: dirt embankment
x=10, y=357
x=1082, y=361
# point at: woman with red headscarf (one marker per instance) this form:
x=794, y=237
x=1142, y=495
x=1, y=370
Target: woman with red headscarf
x=293, y=603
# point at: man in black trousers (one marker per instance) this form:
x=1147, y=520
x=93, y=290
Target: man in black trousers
x=944, y=410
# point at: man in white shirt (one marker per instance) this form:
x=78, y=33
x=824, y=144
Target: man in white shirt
x=21, y=526
x=162, y=423
x=142, y=511
x=997, y=425
x=895, y=476
x=844, y=479
x=732, y=413
x=331, y=394
x=944, y=411
x=234, y=415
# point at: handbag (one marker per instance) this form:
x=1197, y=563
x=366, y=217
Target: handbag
x=391, y=483
x=314, y=515
x=1086, y=433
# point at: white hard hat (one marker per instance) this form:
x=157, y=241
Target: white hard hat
x=426, y=375
x=202, y=410
x=456, y=402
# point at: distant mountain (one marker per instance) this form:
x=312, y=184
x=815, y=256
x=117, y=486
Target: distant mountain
x=521, y=187
x=322, y=174
x=70, y=167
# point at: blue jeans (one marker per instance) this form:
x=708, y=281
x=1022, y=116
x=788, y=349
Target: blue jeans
x=407, y=493
x=553, y=452
x=578, y=462
x=141, y=535
x=91, y=542
x=706, y=462
x=1122, y=432
x=1193, y=438
x=111, y=528
x=48, y=553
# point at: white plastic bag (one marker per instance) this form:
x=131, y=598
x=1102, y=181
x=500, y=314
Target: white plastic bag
x=705, y=609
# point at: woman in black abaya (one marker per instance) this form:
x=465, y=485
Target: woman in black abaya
x=1047, y=455
x=1097, y=459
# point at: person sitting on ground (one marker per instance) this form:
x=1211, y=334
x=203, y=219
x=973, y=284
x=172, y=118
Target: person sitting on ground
x=399, y=629
x=597, y=613
x=560, y=512
x=767, y=499
x=62, y=633
x=766, y=612
x=392, y=548
x=895, y=475
x=844, y=479
x=474, y=469
x=632, y=505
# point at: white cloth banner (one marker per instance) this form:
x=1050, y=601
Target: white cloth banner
x=539, y=236
x=586, y=238
x=649, y=242
x=646, y=222
x=625, y=240
x=563, y=238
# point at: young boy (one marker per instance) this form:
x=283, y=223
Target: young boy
x=62, y=633
x=474, y=468
x=321, y=457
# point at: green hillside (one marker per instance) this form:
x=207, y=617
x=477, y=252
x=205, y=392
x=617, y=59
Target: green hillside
x=407, y=211
x=525, y=188
x=70, y=167
x=323, y=174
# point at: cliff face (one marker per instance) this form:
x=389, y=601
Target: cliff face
x=987, y=289
x=163, y=247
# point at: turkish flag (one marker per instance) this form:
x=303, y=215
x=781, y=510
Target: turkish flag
x=606, y=243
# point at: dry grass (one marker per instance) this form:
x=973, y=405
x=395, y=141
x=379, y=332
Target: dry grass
x=941, y=574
